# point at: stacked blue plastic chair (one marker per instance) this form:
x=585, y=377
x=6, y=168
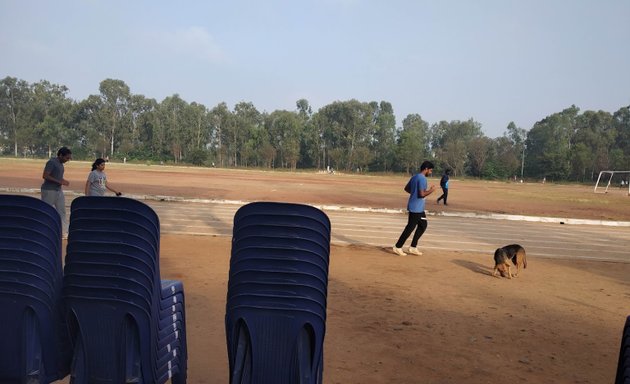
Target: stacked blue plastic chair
x=126, y=324
x=276, y=302
x=623, y=367
x=34, y=344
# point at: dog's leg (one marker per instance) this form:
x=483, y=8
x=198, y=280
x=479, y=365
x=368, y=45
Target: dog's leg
x=494, y=273
x=509, y=271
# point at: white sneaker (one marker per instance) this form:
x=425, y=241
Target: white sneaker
x=414, y=251
x=399, y=251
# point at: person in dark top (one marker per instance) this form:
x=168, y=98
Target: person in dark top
x=444, y=186
x=51, y=190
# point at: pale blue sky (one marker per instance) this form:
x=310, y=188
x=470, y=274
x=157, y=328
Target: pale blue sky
x=495, y=61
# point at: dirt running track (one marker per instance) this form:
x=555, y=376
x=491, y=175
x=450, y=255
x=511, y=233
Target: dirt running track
x=438, y=318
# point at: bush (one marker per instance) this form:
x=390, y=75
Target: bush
x=197, y=156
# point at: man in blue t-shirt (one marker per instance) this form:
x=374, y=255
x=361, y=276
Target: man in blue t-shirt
x=417, y=189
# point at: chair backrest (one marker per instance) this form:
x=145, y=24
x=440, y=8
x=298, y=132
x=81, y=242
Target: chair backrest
x=277, y=288
x=283, y=209
x=127, y=324
x=623, y=365
x=35, y=344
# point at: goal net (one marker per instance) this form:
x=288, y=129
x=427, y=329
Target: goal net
x=613, y=180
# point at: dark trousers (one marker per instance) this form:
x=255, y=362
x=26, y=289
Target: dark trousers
x=444, y=195
x=414, y=220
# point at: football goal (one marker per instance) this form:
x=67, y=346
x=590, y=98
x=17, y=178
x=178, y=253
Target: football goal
x=606, y=177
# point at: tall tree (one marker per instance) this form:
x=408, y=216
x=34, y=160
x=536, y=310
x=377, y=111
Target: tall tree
x=142, y=120
x=198, y=116
x=172, y=114
x=221, y=121
x=621, y=120
x=247, y=120
x=413, y=142
x=116, y=96
x=315, y=140
x=384, y=136
x=15, y=101
x=517, y=137
x=285, y=130
x=549, y=145
x=347, y=127
x=479, y=150
x=451, y=141
x=504, y=161
x=304, y=109
x=51, y=108
x=92, y=121
x=596, y=131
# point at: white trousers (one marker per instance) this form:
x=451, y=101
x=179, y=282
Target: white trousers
x=57, y=200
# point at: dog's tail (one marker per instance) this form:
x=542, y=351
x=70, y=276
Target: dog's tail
x=524, y=258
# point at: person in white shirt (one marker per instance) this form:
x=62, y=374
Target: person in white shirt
x=97, y=180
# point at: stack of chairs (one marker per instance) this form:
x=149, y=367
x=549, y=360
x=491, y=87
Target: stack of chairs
x=623, y=367
x=126, y=324
x=34, y=344
x=276, y=301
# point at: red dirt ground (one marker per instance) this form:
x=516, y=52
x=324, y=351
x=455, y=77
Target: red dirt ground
x=438, y=318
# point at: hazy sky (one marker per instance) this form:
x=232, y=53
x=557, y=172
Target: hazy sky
x=495, y=61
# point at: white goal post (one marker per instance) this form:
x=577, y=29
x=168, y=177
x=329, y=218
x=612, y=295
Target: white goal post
x=625, y=181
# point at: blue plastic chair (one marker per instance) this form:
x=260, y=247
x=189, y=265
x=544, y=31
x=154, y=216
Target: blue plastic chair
x=116, y=204
x=247, y=261
x=276, y=303
x=112, y=266
x=29, y=283
x=118, y=226
x=100, y=239
x=118, y=214
x=36, y=229
x=280, y=230
x=30, y=262
x=623, y=365
x=27, y=206
x=287, y=299
x=27, y=234
x=117, y=253
x=271, y=276
x=283, y=209
x=35, y=346
x=32, y=349
x=272, y=345
x=41, y=253
x=282, y=242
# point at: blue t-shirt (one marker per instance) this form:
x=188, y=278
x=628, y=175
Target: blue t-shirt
x=418, y=182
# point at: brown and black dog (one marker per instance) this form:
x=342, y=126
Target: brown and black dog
x=502, y=257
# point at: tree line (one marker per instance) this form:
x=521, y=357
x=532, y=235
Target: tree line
x=37, y=118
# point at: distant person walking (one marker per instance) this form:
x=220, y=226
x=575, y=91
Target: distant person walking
x=96, y=183
x=51, y=190
x=444, y=186
x=417, y=189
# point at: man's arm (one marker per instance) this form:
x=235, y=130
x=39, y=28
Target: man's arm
x=426, y=192
x=46, y=176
